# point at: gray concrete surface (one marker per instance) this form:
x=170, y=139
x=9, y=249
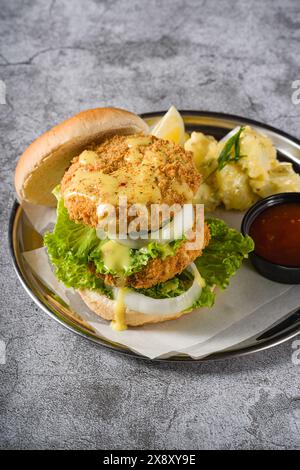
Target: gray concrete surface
x=59, y=57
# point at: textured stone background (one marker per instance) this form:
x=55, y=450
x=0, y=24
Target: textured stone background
x=56, y=58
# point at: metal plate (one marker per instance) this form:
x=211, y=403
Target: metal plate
x=22, y=237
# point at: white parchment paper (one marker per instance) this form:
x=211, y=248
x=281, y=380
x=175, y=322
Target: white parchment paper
x=247, y=307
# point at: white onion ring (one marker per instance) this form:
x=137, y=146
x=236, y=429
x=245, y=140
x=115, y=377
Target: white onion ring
x=169, y=306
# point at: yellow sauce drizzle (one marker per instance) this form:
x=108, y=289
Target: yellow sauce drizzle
x=116, y=257
x=88, y=157
x=138, y=141
x=119, y=322
x=137, y=181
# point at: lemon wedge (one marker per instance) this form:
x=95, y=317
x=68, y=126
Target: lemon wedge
x=170, y=127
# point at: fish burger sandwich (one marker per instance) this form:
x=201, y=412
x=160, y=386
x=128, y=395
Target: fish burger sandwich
x=138, y=272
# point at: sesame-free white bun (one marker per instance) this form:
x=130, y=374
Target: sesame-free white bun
x=44, y=162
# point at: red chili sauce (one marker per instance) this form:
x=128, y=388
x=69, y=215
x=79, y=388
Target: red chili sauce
x=276, y=234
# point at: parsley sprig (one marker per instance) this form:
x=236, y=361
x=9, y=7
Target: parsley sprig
x=226, y=154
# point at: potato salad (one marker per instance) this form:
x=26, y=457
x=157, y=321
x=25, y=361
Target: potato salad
x=250, y=169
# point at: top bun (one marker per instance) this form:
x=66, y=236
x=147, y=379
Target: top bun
x=44, y=162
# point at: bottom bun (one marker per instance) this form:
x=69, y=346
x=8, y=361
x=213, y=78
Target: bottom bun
x=104, y=307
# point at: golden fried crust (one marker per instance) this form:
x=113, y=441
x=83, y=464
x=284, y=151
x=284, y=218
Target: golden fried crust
x=179, y=167
x=158, y=270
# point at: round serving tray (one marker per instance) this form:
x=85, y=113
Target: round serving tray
x=22, y=237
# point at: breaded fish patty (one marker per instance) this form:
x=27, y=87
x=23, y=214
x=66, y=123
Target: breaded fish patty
x=145, y=169
x=159, y=270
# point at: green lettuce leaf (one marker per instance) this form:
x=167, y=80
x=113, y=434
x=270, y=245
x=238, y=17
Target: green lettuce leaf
x=224, y=254
x=171, y=288
x=206, y=299
x=141, y=257
x=68, y=248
